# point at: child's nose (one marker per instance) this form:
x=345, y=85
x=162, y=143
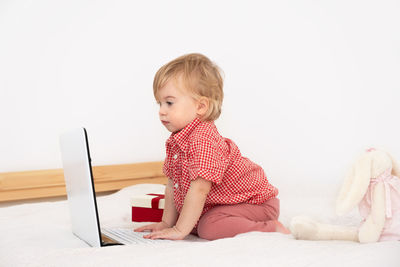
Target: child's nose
x=162, y=110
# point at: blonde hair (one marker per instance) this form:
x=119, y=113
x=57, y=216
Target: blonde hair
x=200, y=77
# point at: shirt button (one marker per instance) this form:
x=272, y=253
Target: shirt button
x=175, y=156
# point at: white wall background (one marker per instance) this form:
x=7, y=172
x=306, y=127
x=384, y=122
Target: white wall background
x=309, y=84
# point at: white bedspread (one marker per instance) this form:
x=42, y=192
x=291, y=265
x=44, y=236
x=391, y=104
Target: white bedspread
x=39, y=234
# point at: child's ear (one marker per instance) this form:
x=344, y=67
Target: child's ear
x=202, y=106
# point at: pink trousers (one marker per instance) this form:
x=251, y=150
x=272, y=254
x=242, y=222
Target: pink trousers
x=230, y=220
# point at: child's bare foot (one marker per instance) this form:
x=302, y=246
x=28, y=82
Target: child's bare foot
x=280, y=228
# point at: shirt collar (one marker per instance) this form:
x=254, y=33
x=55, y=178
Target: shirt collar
x=181, y=137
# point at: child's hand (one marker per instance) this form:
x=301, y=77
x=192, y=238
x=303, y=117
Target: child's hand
x=168, y=233
x=155, y=227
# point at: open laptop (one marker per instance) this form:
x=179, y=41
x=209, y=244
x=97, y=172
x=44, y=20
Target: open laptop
x=82, y=197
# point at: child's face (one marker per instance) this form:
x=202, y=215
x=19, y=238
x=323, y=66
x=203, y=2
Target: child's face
x=177, y=108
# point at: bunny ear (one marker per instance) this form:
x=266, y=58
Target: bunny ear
x=355, y=185
x=395, y=166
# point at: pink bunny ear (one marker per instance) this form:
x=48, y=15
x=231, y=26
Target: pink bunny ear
x=370, y=149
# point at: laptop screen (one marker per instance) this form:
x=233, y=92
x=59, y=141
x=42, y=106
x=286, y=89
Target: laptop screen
x=80, y=187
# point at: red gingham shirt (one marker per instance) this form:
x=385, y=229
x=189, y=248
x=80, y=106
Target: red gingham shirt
x=199, y=150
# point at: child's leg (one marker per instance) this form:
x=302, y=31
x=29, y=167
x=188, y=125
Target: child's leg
x=230, y=220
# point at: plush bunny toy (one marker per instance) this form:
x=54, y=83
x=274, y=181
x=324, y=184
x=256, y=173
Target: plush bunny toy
x=373, y=184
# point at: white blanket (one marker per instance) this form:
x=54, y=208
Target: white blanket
x=39, y=234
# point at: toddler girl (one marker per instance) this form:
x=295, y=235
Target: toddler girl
x=212, y=191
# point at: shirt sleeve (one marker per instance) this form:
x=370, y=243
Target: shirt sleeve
x=167, y=165
x=165, y=169
x=207, y=160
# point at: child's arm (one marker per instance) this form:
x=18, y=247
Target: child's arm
x=193, y=205
x=169, y=215
x=191, y=211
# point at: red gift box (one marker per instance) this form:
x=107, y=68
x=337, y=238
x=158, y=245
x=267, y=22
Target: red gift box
x=147, y=208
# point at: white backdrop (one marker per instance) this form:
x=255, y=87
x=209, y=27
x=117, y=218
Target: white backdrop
x=309, y=84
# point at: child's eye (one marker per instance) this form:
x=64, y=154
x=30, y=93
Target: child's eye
x=169, y=103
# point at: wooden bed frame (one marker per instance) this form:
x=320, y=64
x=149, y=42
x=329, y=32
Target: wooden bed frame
x=50, y=183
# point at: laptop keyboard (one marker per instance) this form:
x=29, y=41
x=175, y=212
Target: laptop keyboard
x=128, y=236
